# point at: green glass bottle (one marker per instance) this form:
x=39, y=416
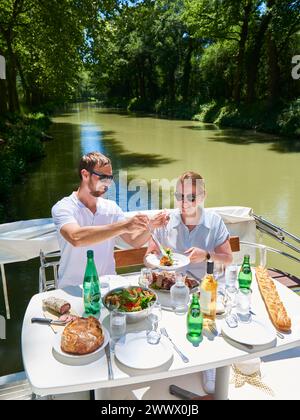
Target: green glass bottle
x=91, y=287
x=245, y=274
x=194, y=322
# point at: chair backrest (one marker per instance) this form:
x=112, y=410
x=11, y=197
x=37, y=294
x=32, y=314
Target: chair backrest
x=123, y=258
x=132, y=257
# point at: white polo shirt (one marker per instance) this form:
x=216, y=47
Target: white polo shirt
x=210, y=233
x=73, y=259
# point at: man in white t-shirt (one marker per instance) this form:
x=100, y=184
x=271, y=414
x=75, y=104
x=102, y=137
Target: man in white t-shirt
x=85, y=220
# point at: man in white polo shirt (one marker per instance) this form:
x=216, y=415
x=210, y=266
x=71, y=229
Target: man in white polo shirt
x=85, y=220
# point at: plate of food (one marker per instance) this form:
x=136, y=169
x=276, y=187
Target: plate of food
x=171, y=261
x=136, y=301
x=81, y=341
x=162, y=281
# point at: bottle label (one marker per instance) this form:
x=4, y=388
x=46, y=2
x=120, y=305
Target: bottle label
x=205, y=300
x=195, y=312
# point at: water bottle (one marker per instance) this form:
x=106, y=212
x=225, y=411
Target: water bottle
x=180, y=296
x=194, y=322
x=91, y=287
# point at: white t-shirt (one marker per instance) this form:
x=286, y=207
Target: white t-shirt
x=73, y=259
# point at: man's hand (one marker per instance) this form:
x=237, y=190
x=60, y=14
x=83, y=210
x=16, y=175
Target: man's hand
x=161, y=219
x=197, y=255
x=137, y=223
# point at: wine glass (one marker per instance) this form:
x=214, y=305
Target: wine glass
x=146, y=277
x=154, y=335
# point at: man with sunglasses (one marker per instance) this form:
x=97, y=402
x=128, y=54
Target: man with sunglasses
x=85, y=220
x=198, y=233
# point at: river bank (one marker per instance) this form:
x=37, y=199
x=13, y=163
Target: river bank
x=282, y=119
x=20, y=146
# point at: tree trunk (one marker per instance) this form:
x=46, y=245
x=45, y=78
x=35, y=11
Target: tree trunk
x=187, y=72
x=241, y=54
x=3, y=97
x=254, y=59
x=24, y=84
x=13, y=99
x=171, y=83
x=274, y=71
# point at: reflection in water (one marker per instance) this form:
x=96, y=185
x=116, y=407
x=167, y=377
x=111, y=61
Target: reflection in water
x=90, y=138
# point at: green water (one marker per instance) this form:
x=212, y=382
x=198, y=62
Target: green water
x=240, y=168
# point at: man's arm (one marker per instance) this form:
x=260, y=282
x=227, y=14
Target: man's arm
x=222, y=254
x=138, y=239
x=89, y=235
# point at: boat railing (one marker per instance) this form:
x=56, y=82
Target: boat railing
x=280, y=235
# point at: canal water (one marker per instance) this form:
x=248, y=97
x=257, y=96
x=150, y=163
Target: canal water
x=241, y=168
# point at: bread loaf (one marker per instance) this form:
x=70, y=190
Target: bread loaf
x=82, y=336
x=274, y=305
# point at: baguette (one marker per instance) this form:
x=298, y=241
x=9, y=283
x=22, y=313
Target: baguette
x=274, y=305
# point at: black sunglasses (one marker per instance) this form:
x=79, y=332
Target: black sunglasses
x=189, y=197
x=103, y=177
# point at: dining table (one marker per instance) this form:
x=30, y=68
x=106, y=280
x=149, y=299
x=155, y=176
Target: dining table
x=50, y=375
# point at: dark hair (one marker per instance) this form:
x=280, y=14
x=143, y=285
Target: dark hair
x=92, y=159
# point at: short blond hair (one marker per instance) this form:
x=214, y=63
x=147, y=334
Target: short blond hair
x=92, y=159
x=196, y=179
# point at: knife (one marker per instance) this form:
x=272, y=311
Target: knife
x=47, y=321
x=109, y=365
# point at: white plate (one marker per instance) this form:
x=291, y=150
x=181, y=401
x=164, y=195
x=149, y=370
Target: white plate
x=136, y=353
x=76, y=357
x=256, y=333
x=180, y=261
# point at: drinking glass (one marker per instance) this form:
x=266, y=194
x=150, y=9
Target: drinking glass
x=104, y=285
x=230, y=302
x=154, y=335
x=219, y=275
x=117, y=327
x=243, y=305
x=231, y=275
x=146, y=277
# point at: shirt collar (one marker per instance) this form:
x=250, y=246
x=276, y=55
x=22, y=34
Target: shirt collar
x=204, y=219
x=81, y=205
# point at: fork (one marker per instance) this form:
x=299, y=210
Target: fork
x=183, y=357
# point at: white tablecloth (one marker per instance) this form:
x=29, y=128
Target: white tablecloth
x=48, y=376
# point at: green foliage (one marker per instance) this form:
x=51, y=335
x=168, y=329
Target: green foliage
x=289, y=120
x=22, y=146
x=284, y=119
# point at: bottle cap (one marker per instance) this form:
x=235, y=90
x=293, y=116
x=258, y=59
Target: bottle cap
x=210, y=267
x=90, y=253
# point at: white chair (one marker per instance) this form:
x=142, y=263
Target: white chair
x=48, y=271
